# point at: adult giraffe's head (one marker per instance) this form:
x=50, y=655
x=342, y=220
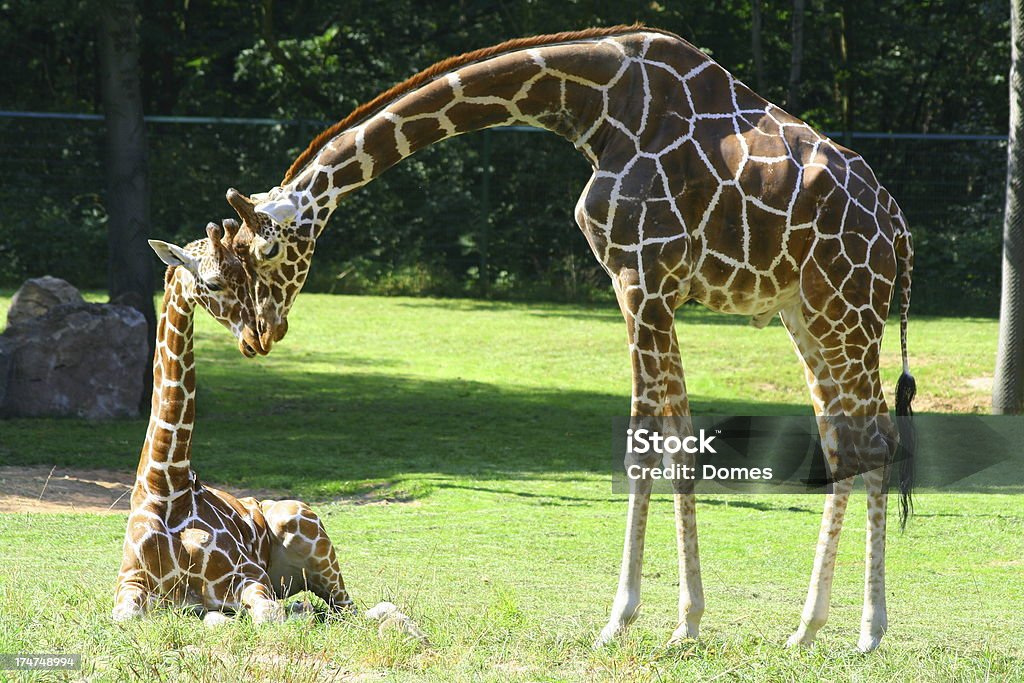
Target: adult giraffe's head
x=216, y=281
x=276, y=245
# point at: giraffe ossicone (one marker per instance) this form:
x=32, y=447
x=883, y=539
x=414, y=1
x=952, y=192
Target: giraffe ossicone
x=701, y=191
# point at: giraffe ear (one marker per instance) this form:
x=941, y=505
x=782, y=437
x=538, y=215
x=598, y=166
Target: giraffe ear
x=172, y=254
x=280, y=210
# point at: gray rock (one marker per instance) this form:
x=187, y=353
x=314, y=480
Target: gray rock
x=37, y=296
x=77, y=360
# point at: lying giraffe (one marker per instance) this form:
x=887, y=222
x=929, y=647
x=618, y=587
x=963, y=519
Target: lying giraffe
x=189, y=543
x=701, y=191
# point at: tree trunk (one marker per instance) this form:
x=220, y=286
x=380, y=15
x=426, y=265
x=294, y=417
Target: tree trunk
x=130, y=262
x=756, y=19
x=1008, y=390
x=843, y=80
x=796, y=59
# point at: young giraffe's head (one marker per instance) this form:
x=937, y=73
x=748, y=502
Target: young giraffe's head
x=276, y=246
x=217, y=281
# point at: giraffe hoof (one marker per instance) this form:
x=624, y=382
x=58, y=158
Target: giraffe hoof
x=269, y=612
x=215, y=618
x=800, y=639
x=684, y=632
x=607, y=635
x=391, y=618
x=127, y=613
x=300, y=610
x=868, y=643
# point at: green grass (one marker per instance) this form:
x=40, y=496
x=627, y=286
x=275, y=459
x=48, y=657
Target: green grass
x=490, y=423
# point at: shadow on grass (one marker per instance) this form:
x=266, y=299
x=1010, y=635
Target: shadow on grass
x=604, y=312
x=569, y=501
x=276, y=424
x=270, y=424
x=607, y=311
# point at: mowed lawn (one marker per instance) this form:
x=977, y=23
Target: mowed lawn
x=460, y=455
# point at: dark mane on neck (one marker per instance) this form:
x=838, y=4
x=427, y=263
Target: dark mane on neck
x=367, y=109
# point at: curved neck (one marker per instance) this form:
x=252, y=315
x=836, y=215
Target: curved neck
x=564, y=88
x=164, y=473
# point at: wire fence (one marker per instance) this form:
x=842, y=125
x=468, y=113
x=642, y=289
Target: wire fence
x=489, y=213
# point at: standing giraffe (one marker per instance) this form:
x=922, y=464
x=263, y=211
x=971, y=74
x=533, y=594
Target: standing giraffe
x=701, y=190
x=187, y=542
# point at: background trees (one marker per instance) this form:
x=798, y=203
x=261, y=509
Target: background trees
x=900, y=65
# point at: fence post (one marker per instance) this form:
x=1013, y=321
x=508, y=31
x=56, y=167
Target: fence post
x=485, y=207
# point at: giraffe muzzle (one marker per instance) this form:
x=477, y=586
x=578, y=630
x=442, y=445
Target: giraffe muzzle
x=267, y=340
x=267, y=335
x=250, y=344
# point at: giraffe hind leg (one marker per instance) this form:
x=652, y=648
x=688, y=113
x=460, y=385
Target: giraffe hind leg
x=302, y=556
x=857, y=436
x=825, y=398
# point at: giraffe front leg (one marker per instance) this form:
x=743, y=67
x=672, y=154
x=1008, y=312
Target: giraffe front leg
x=691, y=588
x=216, y=618
x=250, y=587
x=649, y=327
x=627, y=596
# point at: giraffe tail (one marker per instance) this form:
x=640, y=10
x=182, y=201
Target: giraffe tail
x=906, y=387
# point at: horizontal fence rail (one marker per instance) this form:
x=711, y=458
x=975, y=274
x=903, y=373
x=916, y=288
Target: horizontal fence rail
x=490, y=213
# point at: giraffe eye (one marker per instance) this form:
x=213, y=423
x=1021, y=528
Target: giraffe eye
x=273, y=251
x=213, y=286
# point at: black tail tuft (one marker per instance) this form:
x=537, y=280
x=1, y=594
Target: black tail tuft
x=906, y=389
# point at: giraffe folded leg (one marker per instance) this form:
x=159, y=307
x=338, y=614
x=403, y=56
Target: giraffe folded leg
x=302, y=556
x=259, y=599
x=130, y=600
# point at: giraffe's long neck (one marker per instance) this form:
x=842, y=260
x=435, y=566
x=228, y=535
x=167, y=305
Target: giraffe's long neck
x=569, y=89
x=164, y=476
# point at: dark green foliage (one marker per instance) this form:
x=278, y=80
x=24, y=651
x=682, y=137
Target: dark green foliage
x=909, y=66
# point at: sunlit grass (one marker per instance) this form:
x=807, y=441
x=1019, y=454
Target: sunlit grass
x=489, y=424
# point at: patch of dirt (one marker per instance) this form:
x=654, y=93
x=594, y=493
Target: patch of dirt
x=66, y=489
x=982, y=383
x=960, y=404
x=69, y=489
x=42, y=489
x=1006, y=563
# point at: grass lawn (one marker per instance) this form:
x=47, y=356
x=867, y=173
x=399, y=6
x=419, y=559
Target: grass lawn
x=460, y=450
